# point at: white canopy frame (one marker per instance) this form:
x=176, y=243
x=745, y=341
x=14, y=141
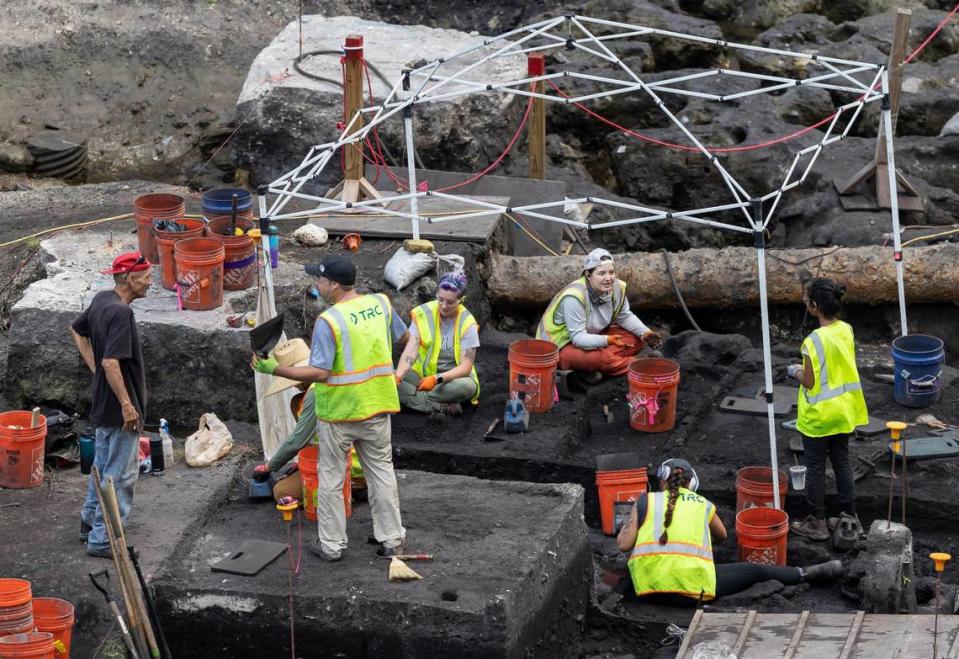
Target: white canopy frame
x=441, y=80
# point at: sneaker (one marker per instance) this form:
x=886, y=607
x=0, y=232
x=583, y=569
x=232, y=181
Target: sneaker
x=823, y=573
x=316, y=549
x=812, y=527
x=103, y=552
x=84, y=531
x=833, y=522
x=391, y=551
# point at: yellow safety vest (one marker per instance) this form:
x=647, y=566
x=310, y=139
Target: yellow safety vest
x=684, y=565
x=356, y=469
x=361, y=383
x=835, y=403
x=550, y=330
x=427, y=320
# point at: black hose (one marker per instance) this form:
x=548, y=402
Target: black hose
x=679, y=295
x=339, y=83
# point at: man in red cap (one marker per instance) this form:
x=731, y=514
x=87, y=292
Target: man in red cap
x=106, y=336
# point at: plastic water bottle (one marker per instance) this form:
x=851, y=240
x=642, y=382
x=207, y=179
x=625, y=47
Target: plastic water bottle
x=167, y=443
x=274, y=246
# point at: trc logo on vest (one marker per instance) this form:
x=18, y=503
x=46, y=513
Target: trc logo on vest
x=365, y=314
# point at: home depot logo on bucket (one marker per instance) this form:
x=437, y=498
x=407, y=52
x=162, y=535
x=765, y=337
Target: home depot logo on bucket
x=191, y=283
x=763, y=556
x=236, y=273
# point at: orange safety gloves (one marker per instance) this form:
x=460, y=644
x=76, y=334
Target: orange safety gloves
x=619, y=341
x=427, y=384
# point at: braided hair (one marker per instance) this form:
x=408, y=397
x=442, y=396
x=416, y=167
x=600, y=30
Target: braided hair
x=678, y=478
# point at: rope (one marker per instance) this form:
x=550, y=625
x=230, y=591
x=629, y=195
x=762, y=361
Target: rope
x=78, y=225
x=529, y=231
x=679, y=295
x=932, y=36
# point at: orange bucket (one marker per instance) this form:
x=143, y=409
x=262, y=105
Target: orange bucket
x=146, y=210
x=652, y=394
x=618, y=487
x=239, y=268
x=761, y=534
x=31, y=645
x=532, y=373
x=55, y=616
x=199, y=268
x=166, y=240
x=16, y=610
x=754, y=488
x=311, y=482
x=21, y=450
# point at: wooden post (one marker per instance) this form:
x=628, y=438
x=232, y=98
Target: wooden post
x=876, y=169
x=536, y=131
x=354, y=186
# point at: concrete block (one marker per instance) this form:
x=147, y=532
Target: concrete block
x=511, y=578
x=888, y=585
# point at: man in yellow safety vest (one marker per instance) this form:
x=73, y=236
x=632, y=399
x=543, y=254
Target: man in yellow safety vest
x=351, y=362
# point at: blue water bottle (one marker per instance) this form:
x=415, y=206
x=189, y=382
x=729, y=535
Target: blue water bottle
x=274, y=246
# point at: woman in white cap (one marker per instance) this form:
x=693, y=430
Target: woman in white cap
x=669, y=537
x=591, y=323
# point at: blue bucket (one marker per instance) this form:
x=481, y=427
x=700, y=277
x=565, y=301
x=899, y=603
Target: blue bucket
x=220, y=201
x=918, y=361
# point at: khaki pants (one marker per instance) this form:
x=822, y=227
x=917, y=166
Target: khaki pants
x=372, y=440
x=291, y=486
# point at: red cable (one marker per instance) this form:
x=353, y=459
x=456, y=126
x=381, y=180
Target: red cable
x=938, y=29
x=499, y=159
x=377, y=152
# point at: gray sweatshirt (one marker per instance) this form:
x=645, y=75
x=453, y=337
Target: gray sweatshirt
x=587, y=336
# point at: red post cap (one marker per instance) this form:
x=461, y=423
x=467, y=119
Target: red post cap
x=354, y=46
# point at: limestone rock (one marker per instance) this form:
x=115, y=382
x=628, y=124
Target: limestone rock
x=290, y=113
x=888, y=583
x=311, y=235
x=951, y=127
x=766, y=13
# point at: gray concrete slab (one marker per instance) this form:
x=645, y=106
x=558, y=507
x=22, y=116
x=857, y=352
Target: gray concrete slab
x=510, y=577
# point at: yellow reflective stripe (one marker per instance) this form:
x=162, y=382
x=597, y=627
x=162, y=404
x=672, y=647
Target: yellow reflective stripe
x=344, y=337
x=672, y=548
x=361, y=376
x=825, y=391
x=709, y=510
x=659, y=514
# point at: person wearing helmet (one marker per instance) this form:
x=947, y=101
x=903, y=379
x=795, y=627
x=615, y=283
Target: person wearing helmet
x=669, y=537
x=591, y=323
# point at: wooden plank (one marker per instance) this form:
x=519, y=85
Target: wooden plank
x=897, y=53
x=797, y=635
x=690, y=632
x=852, y=635
x=744, y=633
x=373, y=225
x=536, y=129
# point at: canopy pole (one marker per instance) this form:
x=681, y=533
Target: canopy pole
x=888, y=131
x=265, y=245
x=410, y=157
x=760, y=240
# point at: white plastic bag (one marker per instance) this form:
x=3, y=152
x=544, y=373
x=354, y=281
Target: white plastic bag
x=209, y=443
x=405, y=267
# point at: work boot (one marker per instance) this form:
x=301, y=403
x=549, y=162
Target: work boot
x=833, y=522
x=823, y=572
x=812, y=527
x=84, y=531
x=104, y=552
x=316, y=549
x=391, y=551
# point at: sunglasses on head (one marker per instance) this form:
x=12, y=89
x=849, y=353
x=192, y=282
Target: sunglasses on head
x=140, y=261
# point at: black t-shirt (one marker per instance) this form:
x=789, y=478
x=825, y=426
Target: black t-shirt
x=110, y=326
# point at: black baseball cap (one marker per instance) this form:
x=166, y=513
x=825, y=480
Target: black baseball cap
x=339, y=269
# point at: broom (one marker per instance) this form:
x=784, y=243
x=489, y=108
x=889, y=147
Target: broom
x=400, y=571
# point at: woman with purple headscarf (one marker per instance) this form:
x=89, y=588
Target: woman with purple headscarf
x=436, y=372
